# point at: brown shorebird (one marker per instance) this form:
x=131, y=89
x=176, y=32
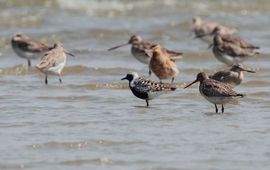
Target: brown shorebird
x=143, y=50
x=53, y=61
x=28, y=48
x=162, y=65
x=214, y=91
x=146, y=89
x=233, y=77
x=203, y=29
x=230, y=49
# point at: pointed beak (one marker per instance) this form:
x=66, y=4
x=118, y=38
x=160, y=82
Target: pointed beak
x=249, y=71
x=122, y=45
x=124, y=78
x=191, y=83
x=68, y=53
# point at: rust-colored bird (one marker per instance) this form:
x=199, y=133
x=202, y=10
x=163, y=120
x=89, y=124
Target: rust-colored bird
x=161, y=65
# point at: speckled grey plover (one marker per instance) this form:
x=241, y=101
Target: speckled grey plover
x=146, y=89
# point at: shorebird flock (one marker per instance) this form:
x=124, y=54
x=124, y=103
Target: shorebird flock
x=216, y=88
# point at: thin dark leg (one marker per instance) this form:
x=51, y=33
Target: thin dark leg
x=172, y=79
x=60, y=79
x=222, y=109
x=149, y=72
x=147, y=103
x=216, y=108
x=29, y=62
x=46, y=79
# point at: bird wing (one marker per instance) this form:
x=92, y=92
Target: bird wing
x=237, y=41
x=50, y=59
x=236, y=51
x=213, y=88
x=173, y=54
x=220, y=75
x=32, y=46
x=145, y=85
x=145, y=48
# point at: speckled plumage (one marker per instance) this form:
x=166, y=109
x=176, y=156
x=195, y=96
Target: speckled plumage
x=28, y=48
x=143, y=50
x=214, y=91
x=146, y=89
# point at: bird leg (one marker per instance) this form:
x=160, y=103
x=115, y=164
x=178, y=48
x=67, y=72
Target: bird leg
x=172, y=80
x=60, y=79
x=29, y=62
x=147, y=103
x=216, y=108
x=46, y=79
x=222, y=109
x=149, y=72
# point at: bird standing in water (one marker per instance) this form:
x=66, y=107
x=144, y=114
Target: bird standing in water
x=214, y=91
x=28, y=48
x=162, y=65
x=53, y=61
x=146, y=89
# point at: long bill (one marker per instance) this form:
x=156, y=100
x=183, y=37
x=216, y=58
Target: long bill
x=68, y=53
x=122, y=45
x=191, y=83
x=249, y=71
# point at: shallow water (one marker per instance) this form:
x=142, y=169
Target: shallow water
x=92, y=121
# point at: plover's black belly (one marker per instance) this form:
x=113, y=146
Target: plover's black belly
x=141, y=95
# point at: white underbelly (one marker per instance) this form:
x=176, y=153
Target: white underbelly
x=229, y=60
x=142, y=58
x=56, y=70
x=218, y=100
